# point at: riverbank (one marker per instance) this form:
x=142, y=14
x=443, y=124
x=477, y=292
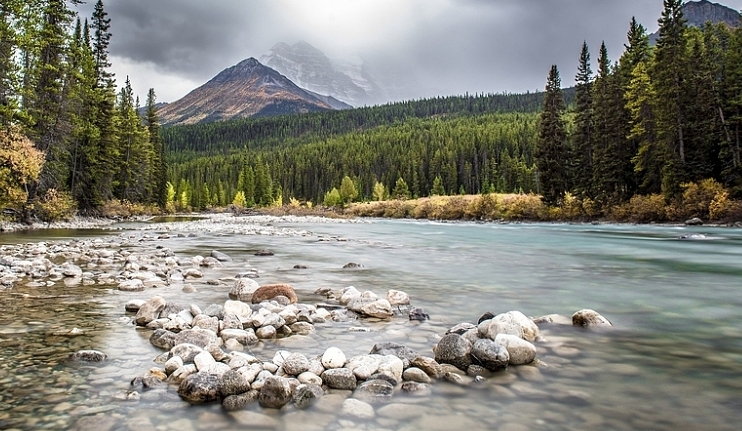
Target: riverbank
x=73, y=223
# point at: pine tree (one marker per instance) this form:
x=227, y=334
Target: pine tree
x=582, y=142
x=552, y=142
x=668, y=76
x=159, y=161
x=640, y=99
x=348, y=191
x=401, y=190
x=437, y=189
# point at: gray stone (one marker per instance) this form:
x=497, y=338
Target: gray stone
x=461, y=328
x=490, y=354
x=391, y=365
x=587, y=318
x=199, y=337
x=429, y=366
x=275, y=393
x=88, y=356
x=339, y=378
x=173, y=364
x=221, y=257
x=302, y=328
x=397, y=297
x=204, y=361
x=162, y=339
x=186, y=351
x=240, y=335
x=418, y=314
x=235, y=382
x=266, y=332
x=171, y=308
x=414, y=374
x=308, y=377
x=243, y=289
x=453, y=349
x=150, y=311
x=375, y=390
x=520, y=351
x=240, y=401
x=200, y=388
x=306, y=394
x=357, y=409
x=295, y=364
x=415, y=388
x=364, y=366
x=404, y=353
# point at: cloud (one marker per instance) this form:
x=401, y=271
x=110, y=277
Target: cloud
x=441, y=46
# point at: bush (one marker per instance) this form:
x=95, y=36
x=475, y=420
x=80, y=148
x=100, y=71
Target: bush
x=645, y=209
x=332, y=198
x=485, y=207
x=524, y=207
x=697, y=198
x=55, y=206
x=117, y=209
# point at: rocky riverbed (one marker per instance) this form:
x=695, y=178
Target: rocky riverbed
x=218, y=353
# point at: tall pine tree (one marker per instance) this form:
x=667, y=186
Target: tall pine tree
x=552, y=148
x=582, y=141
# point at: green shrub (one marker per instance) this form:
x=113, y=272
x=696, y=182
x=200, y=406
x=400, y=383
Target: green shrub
x=649, y=208
x=524, y=207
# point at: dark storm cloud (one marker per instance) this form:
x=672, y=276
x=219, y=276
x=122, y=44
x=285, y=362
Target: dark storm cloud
x=443, y=46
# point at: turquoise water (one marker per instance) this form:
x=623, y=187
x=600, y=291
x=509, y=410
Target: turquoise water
x=673, y=360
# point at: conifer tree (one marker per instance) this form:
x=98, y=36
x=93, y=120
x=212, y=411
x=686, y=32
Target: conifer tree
x=582, y=142
x=159, y=167
x=552, y=142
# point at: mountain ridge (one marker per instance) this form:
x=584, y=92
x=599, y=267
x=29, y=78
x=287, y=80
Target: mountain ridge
x=697, y=13
x=247, y=89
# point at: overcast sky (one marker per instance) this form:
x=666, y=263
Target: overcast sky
x=446, y=46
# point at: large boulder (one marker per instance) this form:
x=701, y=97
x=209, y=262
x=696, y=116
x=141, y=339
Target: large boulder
x=150, y=311
x=490, y=355
x=397, y=297
x=275, y=393
x=587, y=317
x=513, y=323
x=270, y=291
x=455, y=350
x=243, y=289
x=200, y=388
x=520, y=351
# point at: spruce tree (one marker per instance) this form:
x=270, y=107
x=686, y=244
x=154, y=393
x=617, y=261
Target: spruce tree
x=582, y=142
x=159, y=158
x=552, y=142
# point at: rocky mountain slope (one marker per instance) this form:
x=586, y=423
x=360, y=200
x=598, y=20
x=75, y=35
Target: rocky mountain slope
x=346, y=79
x=697, y=13
x=248, y=89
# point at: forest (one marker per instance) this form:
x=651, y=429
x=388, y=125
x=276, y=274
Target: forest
x=70, y=141
x=655, y=131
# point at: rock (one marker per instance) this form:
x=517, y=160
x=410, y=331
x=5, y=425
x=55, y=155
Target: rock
x=239, y=402
x=188, y=288
x=587, y=317
x=352, y=265
x=418, y=314
x=490, y=354
x=309, y=377
x=348, y=294
x=392, y=366
x=299, y=266
x=333, y=358
x=200, y=388
x=238, y=308
x=235, y=382
x=133, y=285
x=204, y=321
x=124, y=395
x=556, y=319
x=264, y=252
x=163, y=339
x=181, y=373
x=88, y=356
x=270, y=291
x=397, y=297
x=375, y=390
x=173, y=364
x=414, y=374
x=453, y=349
x=199, y=337
x=204, y=361
x=134, y=305
x=429, y=365
x=221, y=257
x=150, y=311
x=266, y=333
x=461, y=328
x=246, y=338
x=302, y=328
x=275, y=393
x=357, y=409
x=520, y=351
x=306, y=394
x=243, y=289
x=513, y=323
x=415, y=388
x=364, y=366
x=192, y=273
x=695, y=221
x=339, y=378
x=214, y=310
x=404, y=353
x=476, y=370
x=486, y=316
x=295, y=364
x=186, y=351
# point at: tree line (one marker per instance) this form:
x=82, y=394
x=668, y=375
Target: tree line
x=59, y=103
x=658, y=121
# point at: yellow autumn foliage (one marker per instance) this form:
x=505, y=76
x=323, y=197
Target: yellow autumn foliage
x=20, y=164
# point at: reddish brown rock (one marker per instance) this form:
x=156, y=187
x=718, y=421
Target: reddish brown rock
x=270, y=291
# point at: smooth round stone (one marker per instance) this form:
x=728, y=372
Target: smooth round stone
x=375, y=390
x=306, y=394
x=266, y=332
x=520, y=351
x=357, y=409
x=589, y=318
x=491, y=355
x=296, y=364
x=453, y=349
x=133, y=305
x=88, y=356
x=415, y=388
x=309, y=378
x=254, y=420
x=200, y=388
x=403, y=412
x=241, y=401
x=333, y=358
x=414, y=374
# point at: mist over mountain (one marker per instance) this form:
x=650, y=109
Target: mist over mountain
x=247, y=89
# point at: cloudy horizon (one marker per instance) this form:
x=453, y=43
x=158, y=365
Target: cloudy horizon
x=447, y=47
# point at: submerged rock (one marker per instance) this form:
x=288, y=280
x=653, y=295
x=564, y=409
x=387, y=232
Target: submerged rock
x=587, y=317
x=88, y=356
x=200, y=388
x=275, y=393
x=243, y=289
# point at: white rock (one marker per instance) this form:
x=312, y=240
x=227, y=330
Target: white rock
x=134, y=285
x=357, y=409
x=348, y=294
x=309, y=377
x=333, y=358
x=392, y=366
x=521, y=351
x=203, y=361
x=238, y=308
x=397, y=297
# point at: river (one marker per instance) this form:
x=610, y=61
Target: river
x=673, y=360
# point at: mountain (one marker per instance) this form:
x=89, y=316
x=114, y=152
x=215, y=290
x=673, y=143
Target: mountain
x=697, y=13
x=345, y=79
x=248, y=89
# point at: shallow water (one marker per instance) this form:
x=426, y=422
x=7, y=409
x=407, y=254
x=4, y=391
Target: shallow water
x=672, y=362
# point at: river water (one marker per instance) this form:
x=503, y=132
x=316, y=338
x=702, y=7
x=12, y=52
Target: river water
x=673, y=360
